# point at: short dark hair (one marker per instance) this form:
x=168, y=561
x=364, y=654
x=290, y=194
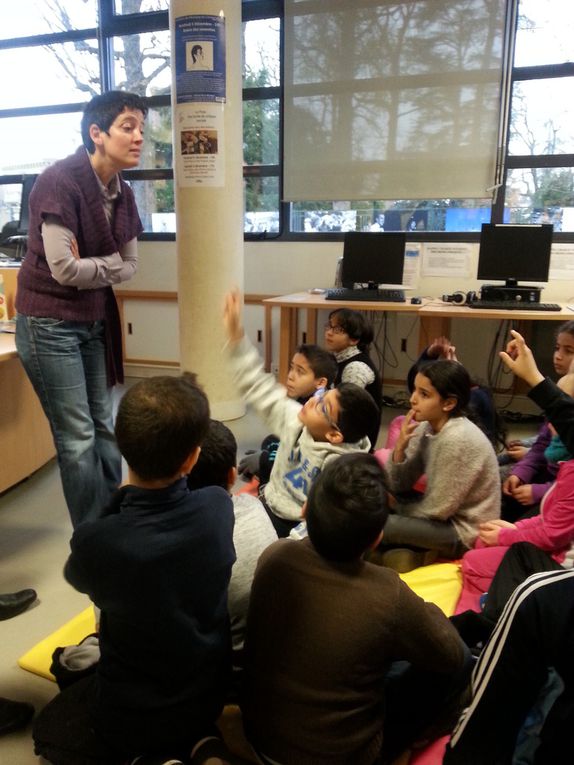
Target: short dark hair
x=567, y=326
x=357, y=412
x=451, y=380
x=103, y=110
x=218, y=455
x=160, y=421
x=322, y=362
x=347, y=507
x=355, y=325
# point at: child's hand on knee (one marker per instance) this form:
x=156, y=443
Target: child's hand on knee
x=488, y=532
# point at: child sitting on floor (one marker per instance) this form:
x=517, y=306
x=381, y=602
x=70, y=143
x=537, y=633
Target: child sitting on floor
x=534, y=474
x=344, y=663
x=252, y=532
x=552, y=529
x=312, y=368
x=462, y=489
x=328, y=425
x=348, y=335
x=157, y=564
x=481, y=404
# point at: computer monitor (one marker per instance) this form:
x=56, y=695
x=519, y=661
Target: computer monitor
x=28, y=182
x=13, y=237
x=515, y=253
x=373, y=258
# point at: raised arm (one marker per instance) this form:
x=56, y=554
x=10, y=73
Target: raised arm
x=557, y=405
x=519, y=359
x=258, y=388
x=232, y=317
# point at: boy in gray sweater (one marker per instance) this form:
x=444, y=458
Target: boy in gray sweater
x=252, y=531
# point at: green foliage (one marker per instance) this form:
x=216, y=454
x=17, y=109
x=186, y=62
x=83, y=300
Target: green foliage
x=555, y=188
x=260, y=142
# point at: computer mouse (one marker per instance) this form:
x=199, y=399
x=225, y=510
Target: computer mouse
x=317, y=291
x=416, y=301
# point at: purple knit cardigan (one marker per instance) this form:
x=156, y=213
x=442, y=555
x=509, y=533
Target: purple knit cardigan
x=70, y=191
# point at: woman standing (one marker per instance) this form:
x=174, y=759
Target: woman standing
x=82, y=239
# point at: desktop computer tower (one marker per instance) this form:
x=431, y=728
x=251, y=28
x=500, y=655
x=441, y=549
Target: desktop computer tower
x=502, y=293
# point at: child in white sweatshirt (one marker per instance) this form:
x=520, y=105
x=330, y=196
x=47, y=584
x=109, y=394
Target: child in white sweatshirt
x=332, y=423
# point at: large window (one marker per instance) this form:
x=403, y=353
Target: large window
x=539, y=184
x=83, y=48
x=537, y=179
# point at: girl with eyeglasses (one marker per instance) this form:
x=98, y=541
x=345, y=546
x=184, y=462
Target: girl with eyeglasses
x=349, y=335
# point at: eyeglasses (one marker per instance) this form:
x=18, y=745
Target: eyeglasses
x=336, y=329
x=321, y=406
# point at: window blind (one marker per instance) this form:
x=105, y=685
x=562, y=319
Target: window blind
x=392, y=100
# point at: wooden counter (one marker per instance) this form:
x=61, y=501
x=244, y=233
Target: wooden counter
x=9, y=276
x=25, y=437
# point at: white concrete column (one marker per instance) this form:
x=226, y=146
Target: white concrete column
x=208, y=182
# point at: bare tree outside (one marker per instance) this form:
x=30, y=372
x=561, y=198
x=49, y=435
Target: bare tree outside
x=536, y=194
x=141, y=64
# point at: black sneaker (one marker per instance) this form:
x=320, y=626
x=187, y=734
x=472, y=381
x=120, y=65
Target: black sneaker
x=14, y=715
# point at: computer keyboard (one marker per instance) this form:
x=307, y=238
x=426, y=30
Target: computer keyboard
x=382, y=295
x=514, y=305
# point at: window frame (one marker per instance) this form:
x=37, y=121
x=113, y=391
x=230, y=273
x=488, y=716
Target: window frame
x=113, y=25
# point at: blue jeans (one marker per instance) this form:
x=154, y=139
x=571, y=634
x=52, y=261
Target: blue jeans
x=66, y=363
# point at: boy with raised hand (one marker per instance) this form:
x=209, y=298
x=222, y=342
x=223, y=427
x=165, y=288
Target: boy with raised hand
x=158, y=565
x=312, y=368
x=327, y=426
x=344, y=663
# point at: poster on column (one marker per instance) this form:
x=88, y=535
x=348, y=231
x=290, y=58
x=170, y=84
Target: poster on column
x=199, y=138
x=200, y=84
x=200, y=59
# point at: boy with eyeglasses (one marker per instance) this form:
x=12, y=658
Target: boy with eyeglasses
x=333, y=423
x=311, y=369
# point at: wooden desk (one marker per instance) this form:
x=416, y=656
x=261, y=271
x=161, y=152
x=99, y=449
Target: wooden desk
x=25, y=437
x=434, y=315
x=289, y=306
x=10, y=276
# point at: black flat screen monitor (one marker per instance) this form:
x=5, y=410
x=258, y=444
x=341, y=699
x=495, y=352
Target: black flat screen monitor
x=515, y=254
x=373, y=258
x=28, y=182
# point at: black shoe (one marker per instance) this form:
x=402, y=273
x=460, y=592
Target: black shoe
x=13, y=603
x=14, y=715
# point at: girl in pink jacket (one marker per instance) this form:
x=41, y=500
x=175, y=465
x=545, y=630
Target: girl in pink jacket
x=552, y=530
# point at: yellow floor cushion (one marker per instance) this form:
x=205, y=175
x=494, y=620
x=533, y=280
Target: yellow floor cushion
x=39, y=658
x=439, y=583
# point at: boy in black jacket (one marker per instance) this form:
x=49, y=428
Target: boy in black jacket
x=158, y=566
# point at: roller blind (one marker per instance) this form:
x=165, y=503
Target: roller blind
x=392, y=100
